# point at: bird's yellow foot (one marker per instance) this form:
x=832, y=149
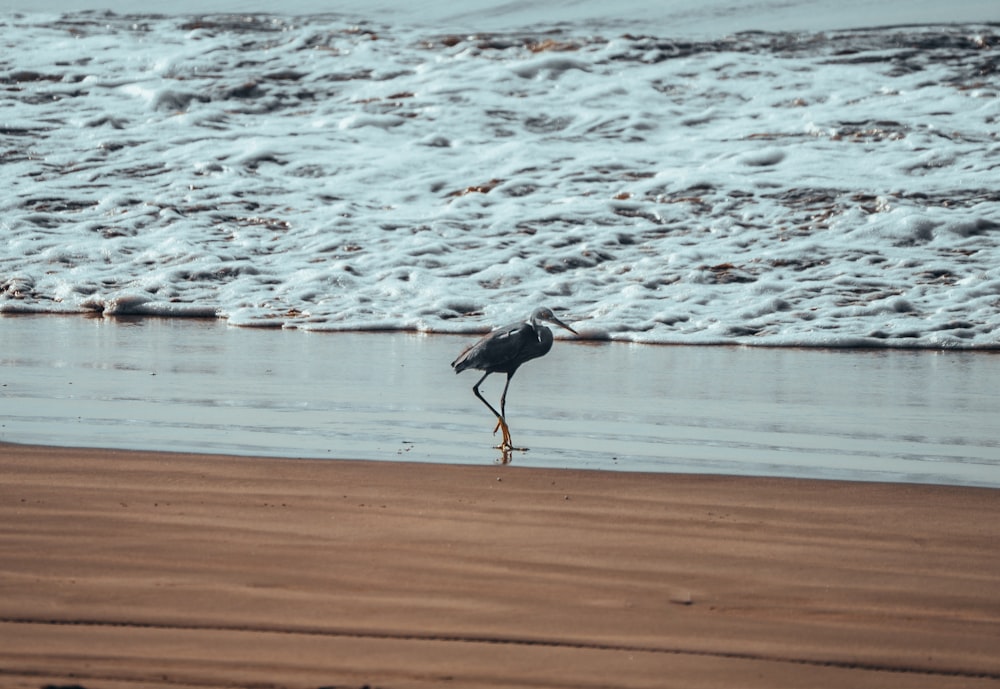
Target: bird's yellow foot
x=507, y=446
x=502, y=426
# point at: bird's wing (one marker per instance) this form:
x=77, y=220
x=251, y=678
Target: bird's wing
x=497, y=349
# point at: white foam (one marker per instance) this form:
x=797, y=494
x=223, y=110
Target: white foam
x=833, y=189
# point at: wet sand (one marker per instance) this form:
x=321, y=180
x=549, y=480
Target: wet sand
x=124, y=569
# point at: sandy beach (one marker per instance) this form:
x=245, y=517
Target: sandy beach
x=125, y=569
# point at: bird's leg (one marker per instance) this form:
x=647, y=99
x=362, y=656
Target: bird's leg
x=503, y=396
x=506, y=445
x=500, y=422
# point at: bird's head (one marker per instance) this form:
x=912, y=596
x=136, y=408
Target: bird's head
x=543, y=313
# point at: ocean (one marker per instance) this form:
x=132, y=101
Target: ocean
x=689, y=173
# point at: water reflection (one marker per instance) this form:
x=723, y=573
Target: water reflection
x=203, y=386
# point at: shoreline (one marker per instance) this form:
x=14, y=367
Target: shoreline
x=203, y=386
x=123, y=568
x=584, y=336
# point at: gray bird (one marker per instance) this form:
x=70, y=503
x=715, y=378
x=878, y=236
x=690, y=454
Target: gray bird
x=503, y=351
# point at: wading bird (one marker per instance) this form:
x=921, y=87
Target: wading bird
x=503, y=351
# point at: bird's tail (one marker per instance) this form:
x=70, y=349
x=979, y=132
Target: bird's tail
x=461, y=362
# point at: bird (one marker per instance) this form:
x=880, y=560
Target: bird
x=504, y=350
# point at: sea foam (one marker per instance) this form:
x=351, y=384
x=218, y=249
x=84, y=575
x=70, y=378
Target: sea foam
x=832, y=188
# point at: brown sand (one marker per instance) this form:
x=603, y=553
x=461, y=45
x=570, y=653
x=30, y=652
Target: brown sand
x=121, y=569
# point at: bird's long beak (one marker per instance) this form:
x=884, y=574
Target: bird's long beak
x=563, y=325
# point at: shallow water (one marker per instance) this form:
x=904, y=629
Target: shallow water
x=199, y=385
x=661, y=184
